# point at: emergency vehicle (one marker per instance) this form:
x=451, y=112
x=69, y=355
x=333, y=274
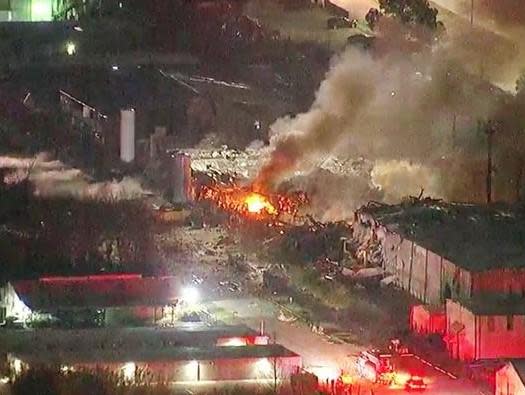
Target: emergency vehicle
x=375, y=366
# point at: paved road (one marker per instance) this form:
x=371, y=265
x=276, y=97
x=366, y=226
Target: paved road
x=316, y=350
x=438, y=383
x=326, y=358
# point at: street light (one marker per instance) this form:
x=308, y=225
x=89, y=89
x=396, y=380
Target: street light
x=71, y=48
x=190, y=295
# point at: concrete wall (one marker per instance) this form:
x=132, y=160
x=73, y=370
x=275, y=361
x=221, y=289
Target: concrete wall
x=434, y=287
x=404, y=260
x=427, y=319
x=508, y=381
x=461, y=344
x=426, y=275
x=11, y=304
x=390, y=242
x=502, y=342
x=484, y=337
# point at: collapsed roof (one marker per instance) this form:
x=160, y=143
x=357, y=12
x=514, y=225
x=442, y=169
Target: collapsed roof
x=477, y=238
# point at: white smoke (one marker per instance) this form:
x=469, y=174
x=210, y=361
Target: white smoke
x=398, y=178
x=52, y=178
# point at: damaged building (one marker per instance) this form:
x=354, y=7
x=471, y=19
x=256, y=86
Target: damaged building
x=468, y=257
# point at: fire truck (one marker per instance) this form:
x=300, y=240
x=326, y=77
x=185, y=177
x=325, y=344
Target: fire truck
x=380, y=367
x=375, y=365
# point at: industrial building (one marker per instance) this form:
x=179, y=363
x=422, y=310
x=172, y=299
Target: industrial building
x=510, y=379
x=475, y=329
x=439, y=251
x=28, y=10
x=106, y=299
x=41, y=10
x=189, y=365
x=467, y=258
x=190, y=353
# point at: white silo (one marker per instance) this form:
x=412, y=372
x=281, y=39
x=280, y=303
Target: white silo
x=127, y=135
x=182, y=184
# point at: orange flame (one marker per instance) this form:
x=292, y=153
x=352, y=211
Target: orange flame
x=246, y=201
x=257, y=203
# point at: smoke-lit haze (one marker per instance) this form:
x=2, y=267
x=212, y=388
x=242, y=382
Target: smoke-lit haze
x=412, y=116
x=51, y=178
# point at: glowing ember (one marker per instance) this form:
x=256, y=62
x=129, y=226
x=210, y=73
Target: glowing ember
x=256, y=203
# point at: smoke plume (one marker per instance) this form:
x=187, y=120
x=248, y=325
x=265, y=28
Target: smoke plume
x=412, y=114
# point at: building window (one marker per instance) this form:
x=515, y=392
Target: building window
x=490, y=324
x=510, y=322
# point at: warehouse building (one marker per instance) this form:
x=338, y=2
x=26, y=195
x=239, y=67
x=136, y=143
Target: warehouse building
x=188, y=365
x=510, y=379
x=475, y=328
x=439, y=251
x=466, y=263
x=109, y=299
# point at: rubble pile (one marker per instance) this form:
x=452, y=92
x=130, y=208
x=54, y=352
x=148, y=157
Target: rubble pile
x=226, y=161
x=317, y=242
x=245, y=164
x=370, y=253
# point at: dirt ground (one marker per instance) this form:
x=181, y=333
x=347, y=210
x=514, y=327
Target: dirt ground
x=217, y=261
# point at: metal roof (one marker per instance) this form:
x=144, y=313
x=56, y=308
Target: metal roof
x=164, y=354
x=51, y=293
x=474, y=237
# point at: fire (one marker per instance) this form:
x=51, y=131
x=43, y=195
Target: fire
x=256, y=203
x=247, y=202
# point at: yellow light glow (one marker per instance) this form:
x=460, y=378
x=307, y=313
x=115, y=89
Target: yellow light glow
x=17, y=366
x=256, y=203
x=191, y=370
x=263, y=368
x=71, y=48
x=190, y=295
x=347, y=379
x=233, y=342
x=128, y=371
x=41, y=10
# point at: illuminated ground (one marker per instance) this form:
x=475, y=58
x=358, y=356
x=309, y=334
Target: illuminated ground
x=325, y=358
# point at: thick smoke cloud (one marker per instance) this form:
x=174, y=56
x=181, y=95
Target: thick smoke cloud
x=412, y=114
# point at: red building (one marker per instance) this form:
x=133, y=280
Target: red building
x=427, y=319
x=114, y=297
x=510, y=379
x=470, y=257
x=486, y=328
x=442, y=250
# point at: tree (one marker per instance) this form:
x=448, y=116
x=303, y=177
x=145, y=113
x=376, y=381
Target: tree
x=411, y=12
x=372, y=17
x=520, y=85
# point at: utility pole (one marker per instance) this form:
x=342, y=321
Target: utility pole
x=454, y=121
x=471, y=13
x=490, y=131
x=274, y=366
